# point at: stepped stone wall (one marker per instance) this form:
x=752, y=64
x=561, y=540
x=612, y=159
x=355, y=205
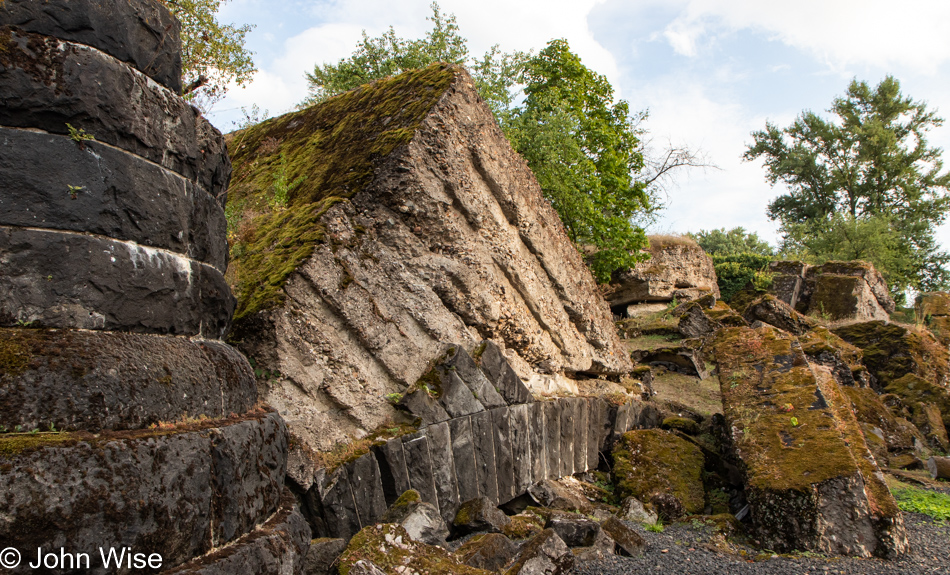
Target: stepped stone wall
x=127, y=423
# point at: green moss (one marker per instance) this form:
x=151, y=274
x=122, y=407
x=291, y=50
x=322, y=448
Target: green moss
x=913, y=389
x=335, y=147
x=916, y=500
x=410, y=496
x=765, y=384
x=651, y=464
x=389, y=546
x=891, y=351
x=14, y=444
x=686, y=425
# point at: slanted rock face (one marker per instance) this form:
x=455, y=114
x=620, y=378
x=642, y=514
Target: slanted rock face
x=782, y=411
x=892, y=351
x=836, y=290
x=444, y=237
x=677, y=269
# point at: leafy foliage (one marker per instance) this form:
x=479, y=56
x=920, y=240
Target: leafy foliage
x=916, y=500
x=388, y=55
x=213, y=54
x=736, y=271
x=733, y=242
x=583, y=150
x=865, y=185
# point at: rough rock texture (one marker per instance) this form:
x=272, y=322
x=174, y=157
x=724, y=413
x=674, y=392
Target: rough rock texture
x=933, y=309
x=775, y=312
x=148, y=38
x=836, y=290
x=491, y=552
x=100, y=190
x=74, y=280
x=421, y=520
x=677, y=269
x=479, y=515
x=91, y=381
x=783, y=412
x=627, y=539
x=49, y=83
x=543, y=554
x=175, y=493
x=391, y=551
x=661, y=468
x=323, y=555
x=892, y=351
x=447, y=239
x=575, y=530
x=278, y=546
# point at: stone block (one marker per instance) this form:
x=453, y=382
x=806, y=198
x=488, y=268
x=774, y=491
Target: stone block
x=463, y=456
x=493, y=364
x=145, y=35
x=490, y=552
x=464, y=366
x=537, y=441
x=100, y=190
x=545, y=553
x=480, y=514
x=599, y=429
x=322, y=556
x=552, y=439
x=521, y=457
x=392, y=469
x=49, y=83
x=423, y=405
x=443, y=469
x=419, y=465
x=483, y=434
x=787, y=288
x=568, y=416
x=581, y=426
x=278, y=546
x=457, y=398
x=367, y=487
x=807, y=463
x=840, y=297
x=338, y=506
x=93, y=381
x=504, y=462
x=178, y=492
x=70, y=280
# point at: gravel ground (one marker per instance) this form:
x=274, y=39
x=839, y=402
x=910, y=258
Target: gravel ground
x=684, y=549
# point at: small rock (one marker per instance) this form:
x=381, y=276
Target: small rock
x=492, y=552
x=575, y=530
x=545, y=554
x=556, y=495
x=420, y=519
x=323, y=555
x=628, y=540
x=480, y=515
x=362, y=567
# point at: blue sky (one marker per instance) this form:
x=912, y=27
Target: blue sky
x=709, y=71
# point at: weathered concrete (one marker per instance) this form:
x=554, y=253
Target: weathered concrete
x=49, y=83
x=92, y=381
x=105, y=191
x=202, y=488
x=72, y=280
x=148, y=39
x=278, y=546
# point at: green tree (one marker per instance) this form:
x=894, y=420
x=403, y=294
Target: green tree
x=374, y=58
x=863, y=185
x=583, y=149
x=732, y=242
x=213, y=54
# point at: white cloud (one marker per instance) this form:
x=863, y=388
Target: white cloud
x=843, y=33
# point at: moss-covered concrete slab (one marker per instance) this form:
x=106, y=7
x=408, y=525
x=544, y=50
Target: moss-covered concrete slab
x=892, y=351
x=661, y=468
x=811, y=481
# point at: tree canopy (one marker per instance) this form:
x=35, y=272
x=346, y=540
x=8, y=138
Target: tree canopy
x=213, y=54
x=584, y=151
x=732, y=242
x=863, y=185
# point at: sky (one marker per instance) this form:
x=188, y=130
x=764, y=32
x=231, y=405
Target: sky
x=710, y=72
